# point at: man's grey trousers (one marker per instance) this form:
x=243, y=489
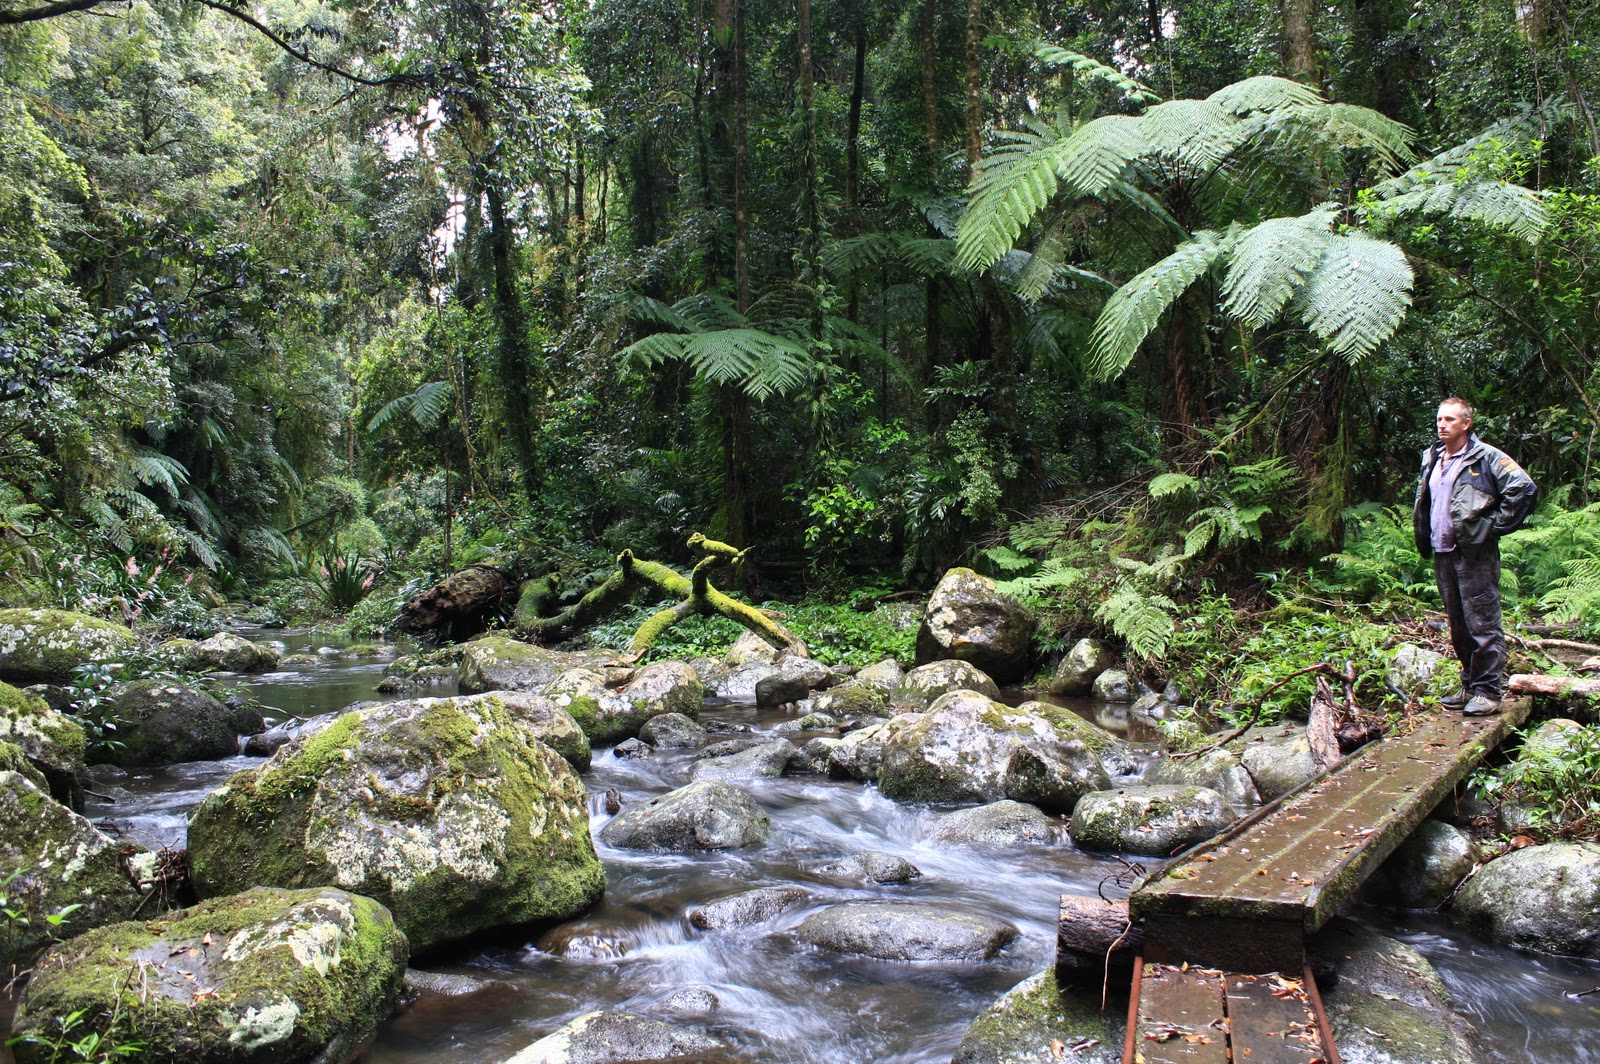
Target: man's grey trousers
x=1469, y=581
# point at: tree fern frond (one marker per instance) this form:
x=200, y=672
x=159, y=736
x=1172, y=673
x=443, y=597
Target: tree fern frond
x=154, y=469
x=425, y=406
x=709, y=310
x=1141, y=618
x=203, y=551
x=656, y=348
x=1497, y=204
x=1355, y=298
x=1271, y=260
x=1054, y=55
x=1013, y=184
x=649, y=309
x=758, y=362
x=1197, y=133
x=1263, y=93
x=1165, y=484
x=1517, y=130
x=1135, y=308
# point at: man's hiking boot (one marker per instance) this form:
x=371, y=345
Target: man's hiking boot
x=1455, y=700
x=1481, y=706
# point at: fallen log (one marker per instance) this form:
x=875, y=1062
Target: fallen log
x=459, y=606
x=1095, y=939
x=1565, y=687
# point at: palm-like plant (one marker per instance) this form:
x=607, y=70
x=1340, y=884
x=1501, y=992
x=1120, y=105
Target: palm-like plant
x=1238, y=187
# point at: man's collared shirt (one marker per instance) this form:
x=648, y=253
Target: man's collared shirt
x=1440, y=481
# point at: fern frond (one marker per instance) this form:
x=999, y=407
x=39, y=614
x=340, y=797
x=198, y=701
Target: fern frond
x=1263, y=93
x=1165, y=484
x=154, y=469
x=1054, y=55
x=649, y=309
x=425, y=406
x=1497, y=204
x=1518, y=129
x=1009, y=560
x=1355, y=298
x=758, y=362
x=202, y=550
x=1197, y=133
x=1141, y=618
x=1271, y=260
x=708, y=311
x=1135, y=308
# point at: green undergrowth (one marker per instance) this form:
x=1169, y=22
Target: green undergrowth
x=1553, y=785
x=835, y=633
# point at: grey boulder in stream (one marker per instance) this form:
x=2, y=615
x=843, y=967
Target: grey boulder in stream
x=621, y=1038
x=450, y=812
x=707, y=815
x=907, y=931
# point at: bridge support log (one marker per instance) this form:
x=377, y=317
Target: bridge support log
x=1095, y=938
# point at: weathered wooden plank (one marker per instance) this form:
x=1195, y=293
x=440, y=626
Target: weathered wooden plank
x=1271, y=1021
x=1182, y=1017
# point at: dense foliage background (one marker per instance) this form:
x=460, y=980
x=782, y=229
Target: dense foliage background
x=310, y=290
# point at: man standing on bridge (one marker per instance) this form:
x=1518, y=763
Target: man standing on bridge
x=1470, y=495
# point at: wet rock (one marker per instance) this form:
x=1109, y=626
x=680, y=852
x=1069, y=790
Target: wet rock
x=906, y=931
x=710, y=670
x=811, y=722
x=1154, y=821
x=853, y=701
x=673, y=731
x=998, y=823
x=762, y=761
x=705, y=815
x=816, y=755
x=161, y=723
x=1544, y=898
x=736, y=745
x=1387, y=1004
x=748, y=648
x=1069, y=725
x=795, y=679
x=264, y=976
x=1149, y=708
x=963, y=749
x=1113, y=685
x=619, y=1038
x=608, y=716
x=873, y=867
x=1426, y=869
x=747, y=907
x=859, y=754
x=1221, y=770
x=57, y=697
x=1278, y=758
x=630, y=749
x=442, y=984
x=1022, y=1026
x=1076, y=674
x=967, y=619
x=51, y=858
x=446, y=810
x=52, y=742
x=304, y=661
x=499, y=663
x=1412, y=669
x=691, y=1001
x=543, y=718
x=925, y=684
x=44, y=646
x=232, y=653
x=1181, y=736
x=739, y=684
x=885, y=675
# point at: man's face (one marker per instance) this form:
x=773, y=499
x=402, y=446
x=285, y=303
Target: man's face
x=1453, y=425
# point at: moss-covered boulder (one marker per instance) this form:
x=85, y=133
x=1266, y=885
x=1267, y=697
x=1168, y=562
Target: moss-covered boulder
x=1277, y=757
x=907, y=931
x=750, y=647
x=1031, y=1018
x=1002, y=823
x=12, y=759
x=1545, y=898
x=609, y=716
x=1069, y=725
x=266, y=976
x=1387, y=1005
x=623, y=1038
x=546, y=720
x=159, y=723
x=233, y=653
x=448, y=811
x=762, y=761
x=924, y=684
x=885, y=675
x=1076, y=673
x=52, y=859
x=53, y=742
x=707, y=815
x=1114, y=685
x=499, y=663
x=1155, y=821
x=969, y=748
x=673, y=731
x=795, y=679
x=1221, y=770
x=44, y=646
x=968, y=619
x=859, y=754
x=853, y=700
x=1426, y=869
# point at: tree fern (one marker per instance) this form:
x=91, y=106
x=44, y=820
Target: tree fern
x=1135, y=308
x=425, y=406
x=1144, y=619
x=1271, y=260
x=1357, y=295
x=154, y=469
x=758, y=362
x=1264, y=93
x=1054, y=55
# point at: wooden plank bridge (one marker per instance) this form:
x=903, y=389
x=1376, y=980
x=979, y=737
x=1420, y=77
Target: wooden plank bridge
x=1223, y=977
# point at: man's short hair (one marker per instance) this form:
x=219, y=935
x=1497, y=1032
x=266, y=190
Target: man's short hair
x=1457, y=401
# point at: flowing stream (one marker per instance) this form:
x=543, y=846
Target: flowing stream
x=778, y=1001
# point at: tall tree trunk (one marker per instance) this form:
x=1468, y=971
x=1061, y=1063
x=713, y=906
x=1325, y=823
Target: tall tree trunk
x=995, y=325
x=810, y=219
x=974, y=87
x=1297, y=48
x=518, y=370
x=930, y=90
x=736, y=478
x=852, y=136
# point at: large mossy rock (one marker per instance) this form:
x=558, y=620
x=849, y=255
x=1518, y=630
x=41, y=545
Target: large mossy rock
x=269, y=976
x=1278, y=758
x=1033, y=1017
x=1221, y=770
x=708, y=815
x=44, y=646
x=1076, y=673
x=925, y=684
x=499, y=663
x=159, y=723
x=795, y=679
x=969, y=748
x=1154, y=821
x=1544, y=898
x=609, y=716
x=447, y=811
x=622, y=1038
x=1426, y=869
x=967, y=619
x=1002, y=823
x=1387, y=1005
x=907, y=931
x=51, y=741
x=546, y=720
x=232, y=653
x=52, y=858
x=853, y=700
x=859, y=754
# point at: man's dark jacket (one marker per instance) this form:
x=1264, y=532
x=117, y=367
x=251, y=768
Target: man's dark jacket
x=1491, y=496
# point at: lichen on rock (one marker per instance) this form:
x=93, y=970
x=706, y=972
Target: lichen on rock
x=44, y=646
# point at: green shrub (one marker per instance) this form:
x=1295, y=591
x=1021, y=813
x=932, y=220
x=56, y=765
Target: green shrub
x=1556, y=784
